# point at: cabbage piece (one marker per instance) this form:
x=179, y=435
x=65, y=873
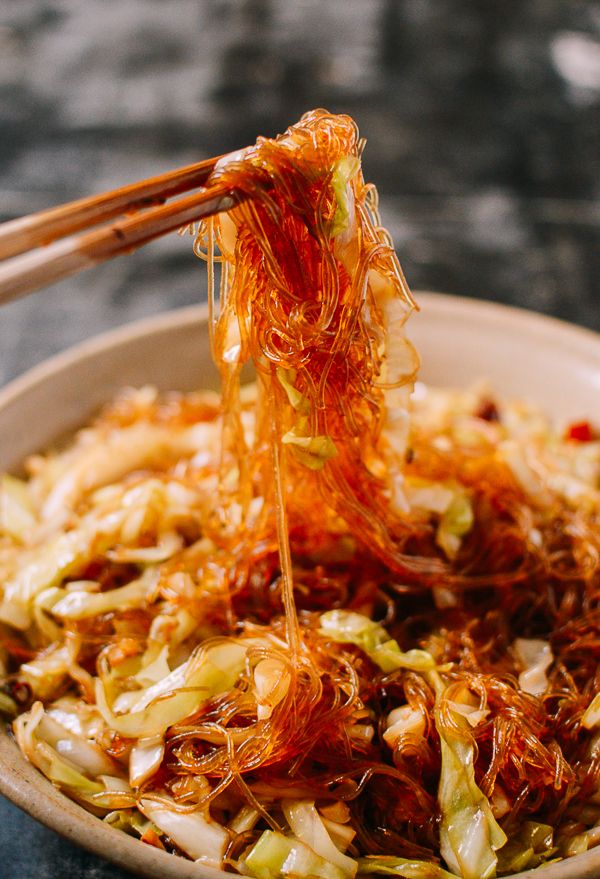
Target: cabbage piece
x=349, y=627
x=341, y=834
x=42, y=603
x=271, y=683
x=591, y=717
x=136, y=700
x=46, y=674
x=435, y=497
x=231, y=341
x=168, y=544
x=469, y=833
x=195, y=833
x=531, y=845
x=404, y=721
x=398, y=372
x=582, y=842
x=145, y=759
x=62, y=773
x=118, y=792
x=312, y=451
x=404, y=867
x=307, y=826
x=526, y=472
x=155, y=665
x=99, y=458
x=75, y=605
x=104, y=791
x=17, y=515
x=343, y=172
x=214, y=671
x=298, y=401
x=268, y=855
x=536, y=657
x=84, y=755
x=8, y=706
x=139, y=508
x=472, y=713
x=276, y=855
x=43, y=567
x=246, y=819
x=76, y=716
x=129, y=821
x=456, y=521
x=172, y=628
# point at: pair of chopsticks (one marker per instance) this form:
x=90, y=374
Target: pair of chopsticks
x=42, y=248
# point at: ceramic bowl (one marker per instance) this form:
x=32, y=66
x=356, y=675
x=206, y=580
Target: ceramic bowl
x=522, y=355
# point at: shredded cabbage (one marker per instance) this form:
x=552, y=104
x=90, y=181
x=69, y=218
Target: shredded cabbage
x=344, y=170
x=404, y=867
x=17, y=513
x=70, y=763
x=536, y=658
x=214, y=670
x=196, y=834
x=276, y=855
x=469, y=833
x=312, y=451
x=456, y=522
x=349, y=627
x=531, y=845
x=75, y=605
x=591, y=718
x=308, y=827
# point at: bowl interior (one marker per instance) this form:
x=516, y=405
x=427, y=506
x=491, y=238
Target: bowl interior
x=521, y=354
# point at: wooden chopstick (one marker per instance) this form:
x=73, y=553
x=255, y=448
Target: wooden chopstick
x=24, y=233
x=28, y=272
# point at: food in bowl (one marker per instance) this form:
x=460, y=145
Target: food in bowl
x=296, y=631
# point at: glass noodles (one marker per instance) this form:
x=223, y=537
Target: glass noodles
x=328, y=623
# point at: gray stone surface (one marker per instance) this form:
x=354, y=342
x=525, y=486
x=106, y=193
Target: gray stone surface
x=482, y=121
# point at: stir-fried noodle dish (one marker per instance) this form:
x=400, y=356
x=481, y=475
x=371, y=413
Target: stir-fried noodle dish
x=328, y=623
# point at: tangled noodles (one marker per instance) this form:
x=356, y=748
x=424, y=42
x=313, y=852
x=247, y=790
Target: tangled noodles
x=292, y=631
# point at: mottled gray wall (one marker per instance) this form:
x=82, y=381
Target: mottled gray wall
x=482, y=121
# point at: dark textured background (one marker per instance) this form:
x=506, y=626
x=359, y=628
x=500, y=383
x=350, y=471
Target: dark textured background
x=482, y=120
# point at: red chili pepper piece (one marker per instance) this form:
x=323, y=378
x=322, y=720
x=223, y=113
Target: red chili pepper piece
x=580, y=431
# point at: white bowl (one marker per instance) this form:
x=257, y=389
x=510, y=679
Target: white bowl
x=522, y=354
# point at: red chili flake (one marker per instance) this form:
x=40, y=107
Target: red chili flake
x=17, y=650
x=580, y=432
x=21, y=692
x=150, y=837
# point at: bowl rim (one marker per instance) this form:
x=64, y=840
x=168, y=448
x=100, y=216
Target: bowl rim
x=569, y=336
x=22, y=784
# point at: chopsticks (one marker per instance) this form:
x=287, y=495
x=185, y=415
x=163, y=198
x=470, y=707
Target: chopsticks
x=31, y=261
